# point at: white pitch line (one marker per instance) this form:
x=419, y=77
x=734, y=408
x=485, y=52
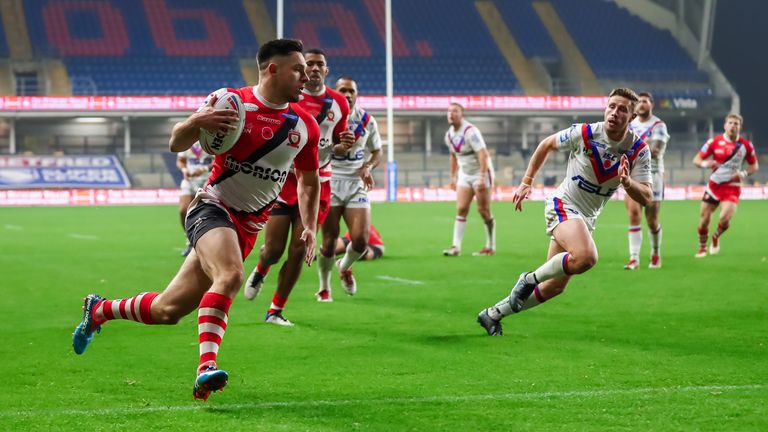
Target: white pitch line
x=83, y=236
x=572, y=394
x=14, y=227
x=400, y=280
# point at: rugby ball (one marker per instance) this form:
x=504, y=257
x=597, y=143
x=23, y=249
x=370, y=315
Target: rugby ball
x=221, y=140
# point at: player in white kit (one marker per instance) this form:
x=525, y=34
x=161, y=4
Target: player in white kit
x=471, y=176
x=195, y=165
x=602, y=156
x=351, y=179
x=653, y=131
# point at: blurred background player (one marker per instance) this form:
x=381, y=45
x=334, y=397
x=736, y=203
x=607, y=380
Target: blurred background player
x=225, y=216
x=351, y=179
x=729, y=151
x=195, y=165
x=471, y=176
x=331, y=110
x=603, y=155
x=653, y=131
x=374, y=250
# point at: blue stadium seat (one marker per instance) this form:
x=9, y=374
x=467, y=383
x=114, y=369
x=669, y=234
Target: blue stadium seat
x=530, y=33
x=648, y=55
x=135, y=64
x=109, y=46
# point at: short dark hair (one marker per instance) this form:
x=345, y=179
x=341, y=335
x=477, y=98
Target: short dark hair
x=317, y=51
x=346, y=78
x=646, y=94
x=277, y=47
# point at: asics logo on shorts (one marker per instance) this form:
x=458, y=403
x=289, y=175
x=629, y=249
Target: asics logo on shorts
x=272, y=174
x=592, y=188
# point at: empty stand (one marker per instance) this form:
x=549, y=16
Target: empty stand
x=619, y=45
x=159, y=47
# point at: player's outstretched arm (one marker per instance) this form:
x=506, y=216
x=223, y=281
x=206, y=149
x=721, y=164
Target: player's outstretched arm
x=538, y=159
x=702, y=163
x=186, y=133
x=309, y=202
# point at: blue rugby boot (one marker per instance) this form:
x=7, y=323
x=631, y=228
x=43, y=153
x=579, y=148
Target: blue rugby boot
x=84, y=331
x=209, y=379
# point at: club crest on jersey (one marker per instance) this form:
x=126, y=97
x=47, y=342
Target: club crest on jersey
x=251, y=107
x=330, y=115
x=294, y=138
x=267, y=133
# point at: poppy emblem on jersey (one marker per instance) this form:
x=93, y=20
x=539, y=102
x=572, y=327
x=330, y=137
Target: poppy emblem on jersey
x=294, y=137
x=267, y=133
x=330, y=115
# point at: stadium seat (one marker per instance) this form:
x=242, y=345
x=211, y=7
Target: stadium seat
x=122, y=47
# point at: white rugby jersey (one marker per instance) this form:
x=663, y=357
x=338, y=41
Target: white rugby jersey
x=465, y=143
x=366, y=131
x=652, y=130
x=247, y=179
x=331, y=110
x=197, y=157
x=592, y=175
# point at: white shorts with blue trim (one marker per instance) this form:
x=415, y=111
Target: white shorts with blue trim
x=349, y=193
x=658, y=186
x=556, y=211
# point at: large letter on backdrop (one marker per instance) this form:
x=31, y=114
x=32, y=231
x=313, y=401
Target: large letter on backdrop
x=316, y=19
x=216, y=38
x=114, y=38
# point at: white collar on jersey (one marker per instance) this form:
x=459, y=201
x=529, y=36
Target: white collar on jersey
x=318, y=93
x=267, y=103
x=462, y=126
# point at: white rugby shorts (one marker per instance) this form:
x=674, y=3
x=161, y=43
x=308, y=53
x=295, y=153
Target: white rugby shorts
x=556, y=211
x=349, y=193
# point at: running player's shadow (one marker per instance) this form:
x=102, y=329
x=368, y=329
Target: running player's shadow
x=444, y=339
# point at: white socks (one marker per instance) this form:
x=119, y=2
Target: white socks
x=490, y=234
x=635, y=241
x=458, y=231
x=504, y=307
x=556, y=266
x=324, y=268
x=350, y=257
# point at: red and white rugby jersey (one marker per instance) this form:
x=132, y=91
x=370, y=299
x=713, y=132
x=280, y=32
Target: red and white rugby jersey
x=331, y=110
x=465, y=143
x=730, y=155
x=247, y=179
x=366, y=131
x=654, y=129
x=592, y=175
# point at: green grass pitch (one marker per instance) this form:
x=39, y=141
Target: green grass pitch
x=680, y=348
